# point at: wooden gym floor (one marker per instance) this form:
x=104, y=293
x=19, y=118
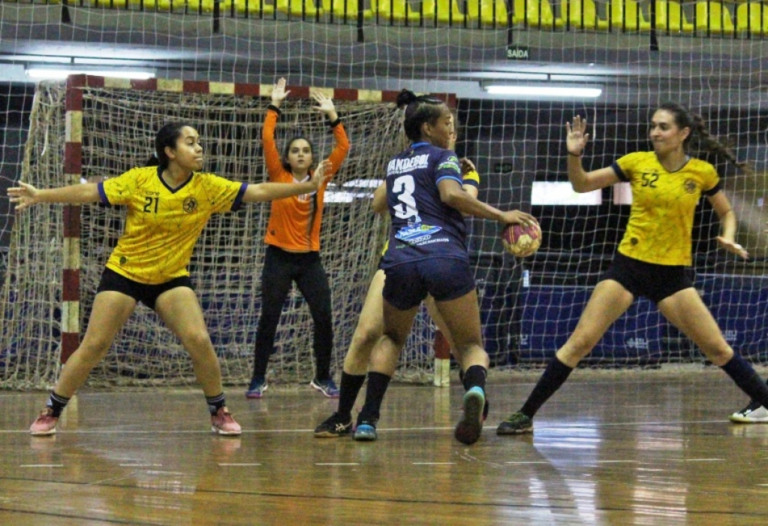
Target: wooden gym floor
x=625, y=448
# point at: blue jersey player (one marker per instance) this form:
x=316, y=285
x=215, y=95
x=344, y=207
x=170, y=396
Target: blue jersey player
x=428, y=255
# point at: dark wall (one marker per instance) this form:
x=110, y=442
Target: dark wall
x=15, y=105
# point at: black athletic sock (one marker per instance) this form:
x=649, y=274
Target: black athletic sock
x=322, y=367
x=553, y=377
x=215, y=403
x=348, y=391
x=747, y=379
x=475, y=376
x=57, y=403
x=374, y=395
x=260, y=364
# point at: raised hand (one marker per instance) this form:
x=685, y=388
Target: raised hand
x=24, y=195
x=325, y=104
x=576, y=139
x=278, y=92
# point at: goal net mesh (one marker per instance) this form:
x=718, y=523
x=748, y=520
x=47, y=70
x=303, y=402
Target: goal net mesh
x=118, y=128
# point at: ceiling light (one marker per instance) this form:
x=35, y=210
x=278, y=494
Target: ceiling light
x=61, y=73
x=543, y=91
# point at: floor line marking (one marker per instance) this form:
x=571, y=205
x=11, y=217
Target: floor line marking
x=239, y=464
x=337, y=463
x=41, y=466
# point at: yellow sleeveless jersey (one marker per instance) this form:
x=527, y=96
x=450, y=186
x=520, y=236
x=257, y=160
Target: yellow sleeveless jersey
x=163, y=224
x=663, y=204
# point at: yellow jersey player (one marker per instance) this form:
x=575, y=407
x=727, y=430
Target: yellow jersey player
x=168, y=206
x=654, y=253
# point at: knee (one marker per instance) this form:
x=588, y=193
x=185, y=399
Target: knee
x=365, y=336
x=197, y=340
x=322, y=317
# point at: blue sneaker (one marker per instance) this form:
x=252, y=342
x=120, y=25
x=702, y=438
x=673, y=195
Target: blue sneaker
x=365, y=432
x=327, y=387
x=257, y=388
x=471, y=425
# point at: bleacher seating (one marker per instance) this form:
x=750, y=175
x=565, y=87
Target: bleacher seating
x=745, y=18
x=713, y=17
x=582, y=14
x=752, y=17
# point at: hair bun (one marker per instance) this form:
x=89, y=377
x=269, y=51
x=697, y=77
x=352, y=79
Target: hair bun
x=405, y=97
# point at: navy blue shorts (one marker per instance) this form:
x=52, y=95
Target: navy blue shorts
x=655, y=282
x=147, y=294
x=444, y=278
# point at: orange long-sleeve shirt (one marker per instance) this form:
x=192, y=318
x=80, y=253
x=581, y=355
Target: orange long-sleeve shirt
x=294, y=222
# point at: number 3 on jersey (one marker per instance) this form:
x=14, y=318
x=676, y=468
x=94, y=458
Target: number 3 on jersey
x=403, y=187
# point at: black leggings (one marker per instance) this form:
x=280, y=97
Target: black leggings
x=281, y=269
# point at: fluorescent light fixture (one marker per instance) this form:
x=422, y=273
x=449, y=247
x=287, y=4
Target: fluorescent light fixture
x=61, y=73
x=546, y=193
x=543, y=91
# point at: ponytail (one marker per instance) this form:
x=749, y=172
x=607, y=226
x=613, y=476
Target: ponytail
x=700, y=140
x=418, y=110
x=166, y=136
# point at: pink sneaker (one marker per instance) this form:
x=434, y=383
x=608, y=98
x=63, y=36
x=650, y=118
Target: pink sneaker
x=223, y=423
x=45, y=424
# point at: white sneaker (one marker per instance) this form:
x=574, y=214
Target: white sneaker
x=754, y=413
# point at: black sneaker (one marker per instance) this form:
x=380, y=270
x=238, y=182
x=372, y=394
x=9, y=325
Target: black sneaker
x=516, y=424
x=334, y=426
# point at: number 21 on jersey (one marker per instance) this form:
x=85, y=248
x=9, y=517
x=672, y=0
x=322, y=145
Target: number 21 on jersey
x=150, y=204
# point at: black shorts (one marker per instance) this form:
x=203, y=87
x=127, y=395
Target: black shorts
x=655, y=282
x=147, y=294
x=444, y=279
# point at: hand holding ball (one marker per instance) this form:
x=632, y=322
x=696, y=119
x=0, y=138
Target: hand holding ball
x=521, y=241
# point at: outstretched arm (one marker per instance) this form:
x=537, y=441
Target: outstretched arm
x=453, y=195
x=325, y=105
x=727, y=236
x=26, y=195
x=269, y=191
x=575, y=142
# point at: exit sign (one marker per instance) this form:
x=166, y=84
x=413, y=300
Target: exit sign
x=517, y=52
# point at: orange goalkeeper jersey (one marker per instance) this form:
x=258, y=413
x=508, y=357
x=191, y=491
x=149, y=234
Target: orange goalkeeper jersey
x=294, y=222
